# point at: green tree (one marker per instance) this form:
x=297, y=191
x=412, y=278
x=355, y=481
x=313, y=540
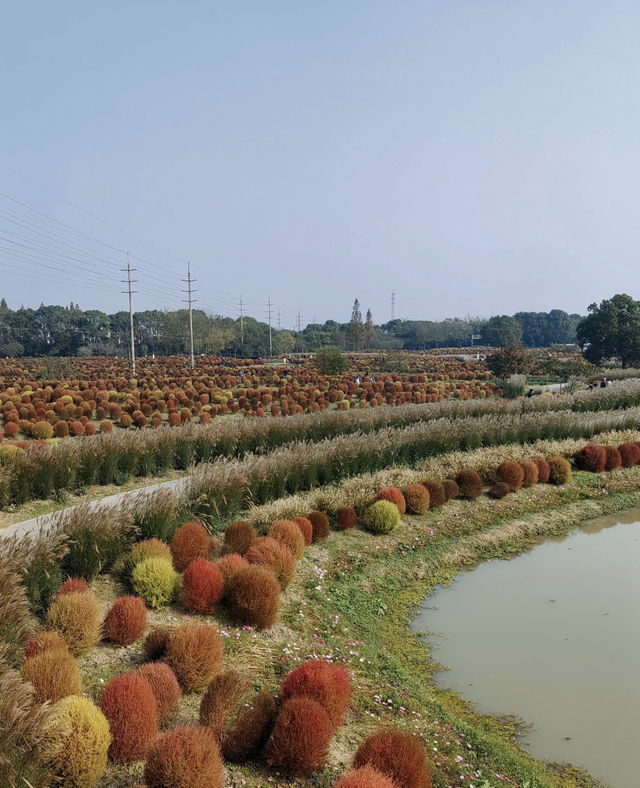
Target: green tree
x=501, y=331
x=513, y=360
x=355, y=328
x=611, y=330
x=369, y=330
x=330, y=361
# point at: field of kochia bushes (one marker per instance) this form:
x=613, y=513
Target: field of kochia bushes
x=105, y=394
x=163, y=553
x=316, y=448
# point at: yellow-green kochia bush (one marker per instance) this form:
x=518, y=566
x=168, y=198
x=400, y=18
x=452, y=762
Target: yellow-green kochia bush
x=81, y=758
x=156, y=581
x=382, y=517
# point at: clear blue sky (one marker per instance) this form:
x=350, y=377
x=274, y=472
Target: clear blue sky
x=478, y=157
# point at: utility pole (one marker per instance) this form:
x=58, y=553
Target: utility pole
x=270, y=343
x=241, y=323
x=129, y=281
x=393, y=305
x=189, y=301
x=298, y=320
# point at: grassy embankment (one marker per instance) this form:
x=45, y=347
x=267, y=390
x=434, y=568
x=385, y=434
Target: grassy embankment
x=352, y=602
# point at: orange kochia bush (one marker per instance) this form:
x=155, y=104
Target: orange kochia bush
x=320, y=526
x=251, y=730
x=437, y=495
x=301, y=735
x=530, y=470
x=629, y=454
x=543, y=469
x=275, y=556
x=398, y=755
x=289, y=533
x=365, y=777
x=189, y=542
x=394, y=495
x=510, y=473
x=470, y=484
x=164, y=686
x=238, y=537
x=185, y=757
x=614, y=459
x=347, y=518
x=126, y=620
x=306, y=526
x=195, y=654
x=130, y=707
x=326, y=683
x=417, y=498
x=253, y=597
x=591, y=458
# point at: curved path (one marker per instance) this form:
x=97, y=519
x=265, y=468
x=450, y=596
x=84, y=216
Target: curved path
x=36, y=524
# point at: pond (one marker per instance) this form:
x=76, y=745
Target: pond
x=553, y=636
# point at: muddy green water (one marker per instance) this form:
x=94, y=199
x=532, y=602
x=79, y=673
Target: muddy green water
x=553, y=636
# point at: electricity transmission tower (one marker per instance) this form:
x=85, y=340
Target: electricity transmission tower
x=189, y=300
x=129, y=281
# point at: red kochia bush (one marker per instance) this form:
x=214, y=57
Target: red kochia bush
x=130, y=707
x=398, y=755
x=229, y=565
x=202, y=585
x=238, y=537
x=253, y=597
x=71, y=585
x=365, y=777
x=300, y=739
x=189, y=542
x=530, y=470
x=591, y=458
x=305, y=525
x=320, y=526
x=394, y=495
x=614, y=459
x=275, y=556
x=543, y=469
x=510, y=473
x=417, y=498
x=195, y=654
x=326, y=683
x=437, y=494
x=470, y=484
x=185, y=757
x=164, y=686
x=288, y=532
x=251, y=729
x=347, y=518
x=629, y=454
x=126, y=621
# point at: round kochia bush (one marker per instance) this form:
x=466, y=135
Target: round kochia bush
x=223, y=697
x=202, y=585
x=253, y=597
x=185, y=757
x=130, y=707
x=54, y=675
x=451, y=489
x=306, y=526
x=543, y=469
x=275, y=556
x=437, y=495
x=126, y=621
x=72, y=584
x=76, y=616
x=164, y=686
x=45, y=641
x=320, y=526
x=156, y=581
x=510, y=473
x=591, y=458
x=470, y=484
x=629, y=454
x=238, y=537
x=614, y=459
x=417, y=499
x=251, y=730
x=365, y=777
x=530, y=471
x=301, y=735
x=382, y=517
x=399, y=756
x=195, y=655
x=156, y=642
x=559, y=470
x=81, y=759
x=347, y=518
x=499, y=490
x=189, y=542
x=326, y=683
x=394, y=495
x=289, y=533
x=148, y=548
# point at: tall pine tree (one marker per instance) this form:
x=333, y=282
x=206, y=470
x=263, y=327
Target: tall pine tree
x=355, y=327
x=369, y=330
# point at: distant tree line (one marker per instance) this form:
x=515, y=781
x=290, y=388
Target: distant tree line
x=71, y=331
